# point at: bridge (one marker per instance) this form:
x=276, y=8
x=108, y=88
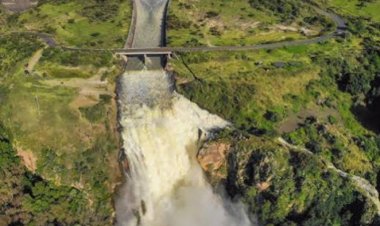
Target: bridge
x=171, y=50
x=133, y=47
x=144, y=53
x=156, y=51
x=130, y=51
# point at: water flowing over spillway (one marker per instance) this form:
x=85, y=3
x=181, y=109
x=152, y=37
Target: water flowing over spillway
x=161, y=131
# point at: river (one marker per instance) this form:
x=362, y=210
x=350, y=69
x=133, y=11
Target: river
x=161, y=133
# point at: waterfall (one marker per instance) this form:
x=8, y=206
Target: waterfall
x=161, y=131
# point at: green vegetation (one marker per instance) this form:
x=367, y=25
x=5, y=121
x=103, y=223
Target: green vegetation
x=255, y=76
x=28, y=199
x=287, y=10
x=323, y=97
x=76, y=58
x=57, y=107
x=97, y=112
x=363, y=8
x=25, y=46
x=58, y=63
x=70, y=156
x=240, y=22
x=76, y=23
x=289, y=187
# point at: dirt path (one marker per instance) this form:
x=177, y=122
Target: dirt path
x=28, y=158
x=89, y=89
x=34, y=60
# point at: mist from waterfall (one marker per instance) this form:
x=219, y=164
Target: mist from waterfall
x=161, y=133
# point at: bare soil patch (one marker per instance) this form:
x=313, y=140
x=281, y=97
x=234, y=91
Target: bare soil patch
x=293, y=122
x=28, y=158
x=89, y=89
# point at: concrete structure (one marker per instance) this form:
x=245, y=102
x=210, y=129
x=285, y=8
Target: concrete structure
x=18, y=5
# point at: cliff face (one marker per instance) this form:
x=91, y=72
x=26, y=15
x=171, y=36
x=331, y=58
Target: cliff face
x=323, y=100
x=212, y=159
x=285, y=186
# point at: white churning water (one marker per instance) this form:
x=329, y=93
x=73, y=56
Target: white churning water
x=161, y=131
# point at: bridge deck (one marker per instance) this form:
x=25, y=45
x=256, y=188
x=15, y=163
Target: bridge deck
x=132, y=53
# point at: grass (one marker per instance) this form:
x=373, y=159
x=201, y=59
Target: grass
x=296, y=182
x=80, y=24
x=58, y=71
x=71, y=149
x=262, y=86
x=44, y=116
x=352, y=7
x=98, y=111
x=246, y=87
x=14, y=50
x=249, y=90
x=228, y=23
x=47, y=119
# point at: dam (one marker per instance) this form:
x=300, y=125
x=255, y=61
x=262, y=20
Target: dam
x=161, y=133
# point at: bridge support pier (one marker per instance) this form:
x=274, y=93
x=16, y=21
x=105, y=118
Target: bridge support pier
x=125, y=58
x=145, y=58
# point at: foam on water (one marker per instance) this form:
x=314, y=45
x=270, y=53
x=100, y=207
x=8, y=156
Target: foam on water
x=161, y=131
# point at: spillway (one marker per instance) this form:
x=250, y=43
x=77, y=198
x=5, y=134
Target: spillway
x=161, y=133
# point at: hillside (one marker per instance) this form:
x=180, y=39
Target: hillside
x=59, y=113
x=76, y=23
x=241, y=22
x=322, y=100
x=303, y=147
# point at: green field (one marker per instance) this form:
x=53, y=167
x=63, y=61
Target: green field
x=62, y=116
x=77, y=23
x=58, y=106
x=234, y=23
x=322, y=97
x=368, y=9
x=58, y=134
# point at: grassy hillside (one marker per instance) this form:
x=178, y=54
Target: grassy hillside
x=322, y=98
x=28, y=199
x=59, y=108
x=77, y=23
x=240, y=22
x=368, y=9
x=59, y=143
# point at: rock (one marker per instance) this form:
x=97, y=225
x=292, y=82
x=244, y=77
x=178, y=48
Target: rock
x=279, y=64
x=125, y=165
x=263, y=186
x=212, y=156
x=28, y=159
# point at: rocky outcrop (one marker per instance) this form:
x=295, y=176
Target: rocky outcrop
x=212, y=158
